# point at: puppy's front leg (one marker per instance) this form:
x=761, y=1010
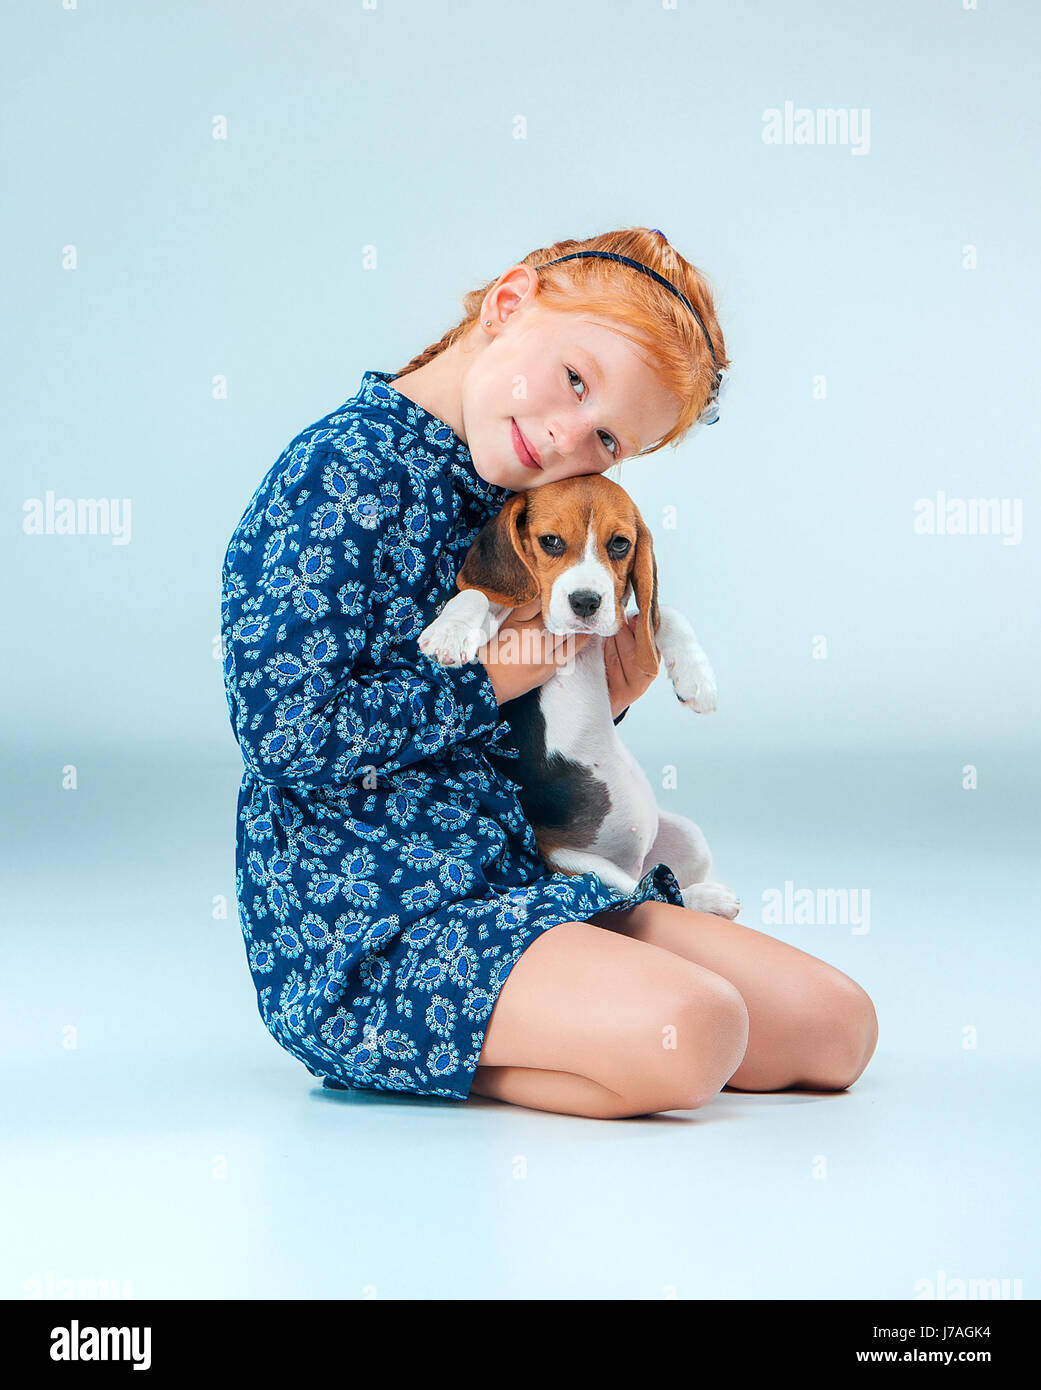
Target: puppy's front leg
x=689, y=668
x=464, y=625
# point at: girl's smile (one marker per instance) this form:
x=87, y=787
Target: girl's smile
x=524, y=451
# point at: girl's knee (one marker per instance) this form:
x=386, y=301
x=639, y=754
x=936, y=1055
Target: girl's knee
x=702, y=1036
x=848, y=1032
x=717, y=1038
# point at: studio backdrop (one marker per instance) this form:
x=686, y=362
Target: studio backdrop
x=218, y=217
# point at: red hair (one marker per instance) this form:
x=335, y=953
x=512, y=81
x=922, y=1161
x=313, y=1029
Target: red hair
x=642, y=310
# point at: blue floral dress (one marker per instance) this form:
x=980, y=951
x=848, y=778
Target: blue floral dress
x=387, y=879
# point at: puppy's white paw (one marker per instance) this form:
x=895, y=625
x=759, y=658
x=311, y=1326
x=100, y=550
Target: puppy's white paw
x=711, y=897
x=450, y=641
x=694, y=684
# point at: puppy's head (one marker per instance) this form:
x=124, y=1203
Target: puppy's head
x=578, y=545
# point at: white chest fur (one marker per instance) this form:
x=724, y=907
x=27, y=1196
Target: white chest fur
x=577, y=711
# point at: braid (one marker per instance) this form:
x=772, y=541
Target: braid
x=472, y=302
x=433, y=350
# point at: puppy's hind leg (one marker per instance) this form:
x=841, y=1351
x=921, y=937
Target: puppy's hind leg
x=681, y=845
x=711, y=897
x=575, y=861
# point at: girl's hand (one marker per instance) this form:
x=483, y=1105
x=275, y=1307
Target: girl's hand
x=520, y=663
x=625, y=681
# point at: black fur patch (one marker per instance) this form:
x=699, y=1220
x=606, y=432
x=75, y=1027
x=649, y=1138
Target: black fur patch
x=558, y=796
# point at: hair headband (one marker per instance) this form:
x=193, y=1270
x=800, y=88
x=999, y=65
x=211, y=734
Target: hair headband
x=710, y=413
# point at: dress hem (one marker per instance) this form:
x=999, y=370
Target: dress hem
x=658, y=884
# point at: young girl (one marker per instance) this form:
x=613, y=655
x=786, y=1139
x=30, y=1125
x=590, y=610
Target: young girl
x=402, y=931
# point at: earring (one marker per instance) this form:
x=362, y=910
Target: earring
x=487, y=323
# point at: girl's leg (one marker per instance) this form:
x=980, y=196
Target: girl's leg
x=592, y=1023
x=560, y=1091
x=809, y=1025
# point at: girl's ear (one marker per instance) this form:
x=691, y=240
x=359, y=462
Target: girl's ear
x=497, y=562
x=644, y=577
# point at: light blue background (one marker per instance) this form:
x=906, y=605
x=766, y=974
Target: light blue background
x=393, y=128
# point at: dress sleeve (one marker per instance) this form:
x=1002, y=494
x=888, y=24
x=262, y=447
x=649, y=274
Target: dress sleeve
x=327, y=586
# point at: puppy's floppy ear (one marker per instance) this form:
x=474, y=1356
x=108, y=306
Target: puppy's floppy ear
x=644, y=578
x=497, y=562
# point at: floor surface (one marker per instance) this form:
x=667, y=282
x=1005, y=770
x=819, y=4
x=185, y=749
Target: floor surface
x=159, y=1144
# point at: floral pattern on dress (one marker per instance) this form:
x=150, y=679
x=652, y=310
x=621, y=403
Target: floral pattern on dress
x=386, y=877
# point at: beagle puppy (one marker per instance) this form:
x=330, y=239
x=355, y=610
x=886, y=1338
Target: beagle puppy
x=581, y=546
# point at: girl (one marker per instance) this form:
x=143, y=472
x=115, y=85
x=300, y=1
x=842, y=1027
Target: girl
x=402, y=931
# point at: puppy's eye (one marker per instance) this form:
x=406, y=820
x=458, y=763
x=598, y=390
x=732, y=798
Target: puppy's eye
x=552, y=545
x=618, y=546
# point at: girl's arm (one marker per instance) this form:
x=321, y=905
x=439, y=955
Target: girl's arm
x=322, y=691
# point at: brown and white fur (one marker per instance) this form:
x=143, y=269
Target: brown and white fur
x=581, y=546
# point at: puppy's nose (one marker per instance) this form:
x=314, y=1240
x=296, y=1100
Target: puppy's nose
x=584, y=602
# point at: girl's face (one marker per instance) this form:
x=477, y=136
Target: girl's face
x=560, y=389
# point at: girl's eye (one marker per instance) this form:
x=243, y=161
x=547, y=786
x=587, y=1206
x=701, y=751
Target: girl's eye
x=552, y=545
x=611, y=445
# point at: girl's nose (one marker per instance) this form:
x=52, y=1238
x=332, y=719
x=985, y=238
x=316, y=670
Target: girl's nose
x=570, y=435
